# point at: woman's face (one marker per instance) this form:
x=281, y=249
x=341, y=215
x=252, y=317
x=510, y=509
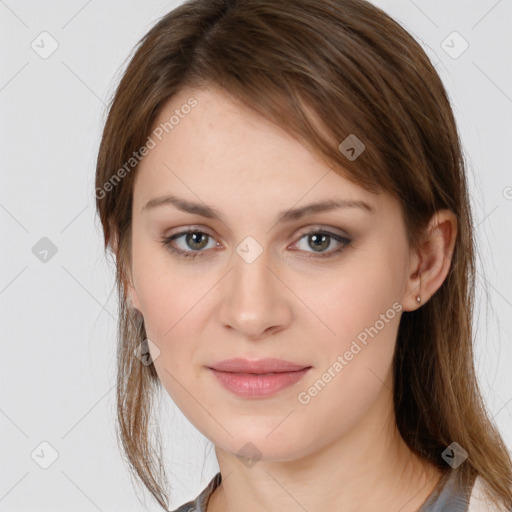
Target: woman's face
x=259, y=284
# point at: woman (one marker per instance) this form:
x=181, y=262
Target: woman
x=283, y=188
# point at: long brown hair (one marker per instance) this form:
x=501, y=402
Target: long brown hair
x=322, y=70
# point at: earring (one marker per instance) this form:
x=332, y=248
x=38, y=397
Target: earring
x=418, y=299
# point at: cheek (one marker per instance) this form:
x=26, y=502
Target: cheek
x=360, y=315
x=355, y=359
x=175, y=307
x=173, y=323
x=167, y=292
x=348, y=304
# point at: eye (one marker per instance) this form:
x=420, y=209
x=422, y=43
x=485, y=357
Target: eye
x=196, y=241
x=193, y=239
x=320, y=239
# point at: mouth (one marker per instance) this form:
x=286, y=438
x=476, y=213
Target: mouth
x=257, y=379
x=258, y=366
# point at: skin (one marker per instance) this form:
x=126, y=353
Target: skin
x=341, y=451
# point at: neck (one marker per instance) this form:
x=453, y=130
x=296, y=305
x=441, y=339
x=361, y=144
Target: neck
x=367, y=468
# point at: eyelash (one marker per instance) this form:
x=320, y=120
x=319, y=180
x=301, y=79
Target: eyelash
x=167, y=242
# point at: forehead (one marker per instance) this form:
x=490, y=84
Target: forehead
x=221, y=150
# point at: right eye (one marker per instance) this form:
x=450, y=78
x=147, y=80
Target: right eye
x=195, y=242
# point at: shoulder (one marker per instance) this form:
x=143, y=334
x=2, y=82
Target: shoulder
x=199, y=503
x=190, y=506
x=478, y=502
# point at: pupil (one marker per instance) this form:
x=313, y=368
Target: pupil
x=192, y=239
x=322, y=238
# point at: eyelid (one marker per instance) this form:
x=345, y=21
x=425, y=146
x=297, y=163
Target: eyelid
x=313, y=228
x=319, y=228
x=344, y=239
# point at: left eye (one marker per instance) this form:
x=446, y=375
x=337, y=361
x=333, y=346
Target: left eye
x=318, y=240
x=321, y=239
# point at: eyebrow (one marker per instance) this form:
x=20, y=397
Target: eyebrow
x=289, y=215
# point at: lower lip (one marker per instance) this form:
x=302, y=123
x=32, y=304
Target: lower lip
x=251, y=385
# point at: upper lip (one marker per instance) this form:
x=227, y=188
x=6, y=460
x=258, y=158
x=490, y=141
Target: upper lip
x=267, y=365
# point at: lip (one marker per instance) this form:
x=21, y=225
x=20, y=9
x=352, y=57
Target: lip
x=258, y=378
x=267, y=365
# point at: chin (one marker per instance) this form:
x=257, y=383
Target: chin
x=259, y=441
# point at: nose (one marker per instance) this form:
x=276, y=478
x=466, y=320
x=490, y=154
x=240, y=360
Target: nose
x=255, y=302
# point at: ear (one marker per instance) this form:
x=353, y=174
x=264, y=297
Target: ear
x=131, y=293
x=431, y=262
x=133, y=297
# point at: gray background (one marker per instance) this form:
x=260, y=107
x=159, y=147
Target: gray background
x=58, y=317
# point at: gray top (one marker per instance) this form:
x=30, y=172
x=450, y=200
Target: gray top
x=448, y=496
x=199, y=504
